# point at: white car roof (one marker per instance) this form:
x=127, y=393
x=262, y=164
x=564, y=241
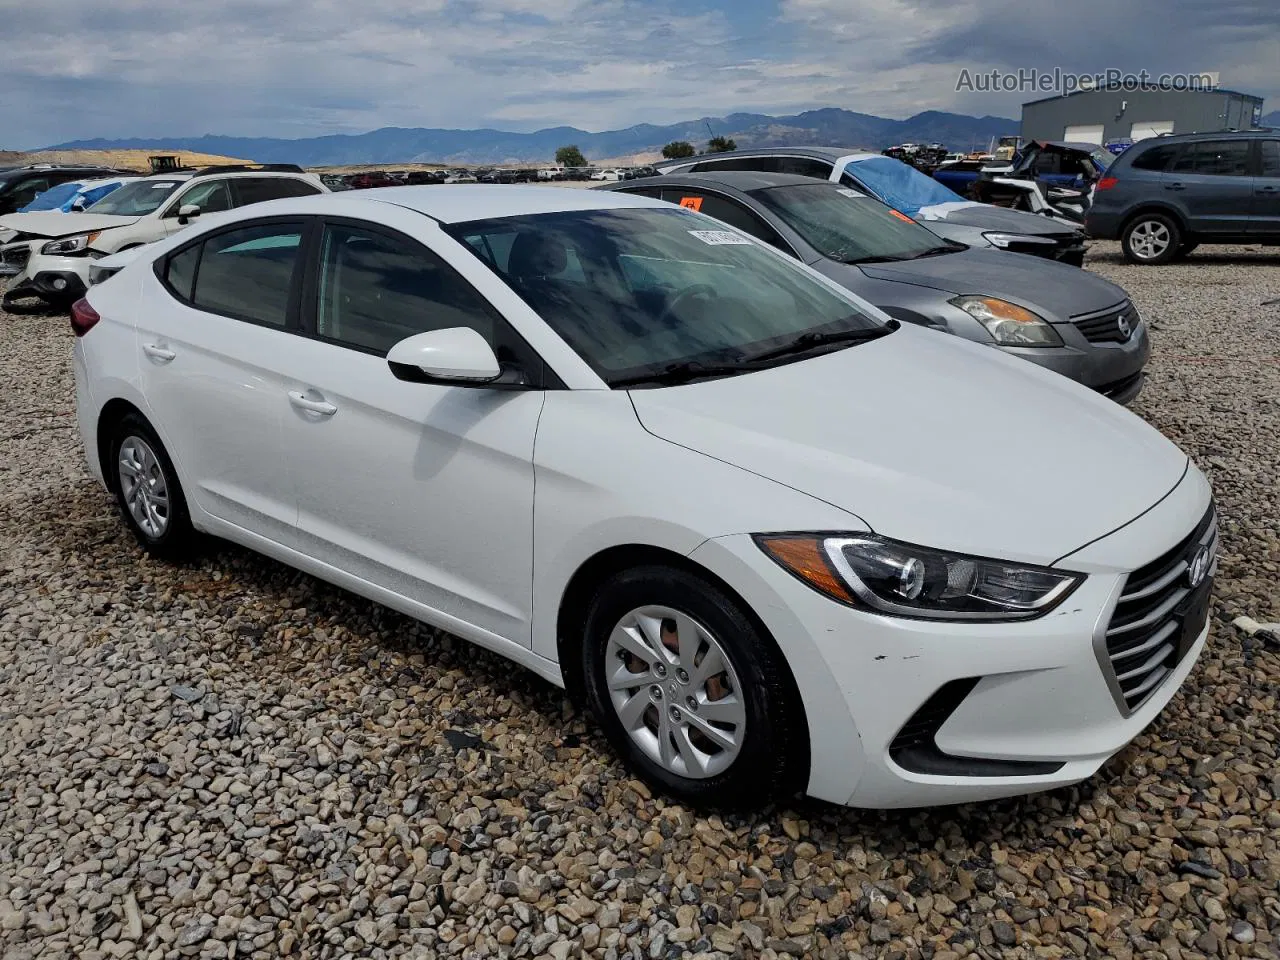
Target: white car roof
x=458, y=204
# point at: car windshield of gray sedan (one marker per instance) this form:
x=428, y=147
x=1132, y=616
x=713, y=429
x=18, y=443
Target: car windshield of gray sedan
x=843, y=224
x=643, y=294
x=136, y=199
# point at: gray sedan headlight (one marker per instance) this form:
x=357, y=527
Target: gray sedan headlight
x=76, y=244
x=1009, y=324
x=886, y=576
x=1007, y=241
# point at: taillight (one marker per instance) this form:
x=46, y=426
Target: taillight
x=1106, y=183
x=83, y=317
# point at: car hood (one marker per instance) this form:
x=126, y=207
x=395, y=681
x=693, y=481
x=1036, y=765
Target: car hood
x=933, y=440
x=1061, y=290
x=53, y=223
x=995, y=219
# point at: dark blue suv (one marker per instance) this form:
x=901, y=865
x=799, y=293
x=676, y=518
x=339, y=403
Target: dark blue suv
x=1164, y=196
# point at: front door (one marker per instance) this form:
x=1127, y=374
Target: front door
x=1265, y=219
x=208, y=350
x=422, y=489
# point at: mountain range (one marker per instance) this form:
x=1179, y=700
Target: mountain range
x=826, y=127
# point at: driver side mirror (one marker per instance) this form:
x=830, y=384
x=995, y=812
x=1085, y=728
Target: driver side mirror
x=188, y=212
x=458, y=356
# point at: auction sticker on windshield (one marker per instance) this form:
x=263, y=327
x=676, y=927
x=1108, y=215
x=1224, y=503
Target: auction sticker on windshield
x=718, y=238
x=691, y=203
x=849, y=193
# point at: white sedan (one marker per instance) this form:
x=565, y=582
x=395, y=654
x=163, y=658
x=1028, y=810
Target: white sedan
x=777, y=542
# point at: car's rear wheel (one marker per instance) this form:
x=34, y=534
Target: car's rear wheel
x=147, y=490
x=691, y=692
x=1151, y=238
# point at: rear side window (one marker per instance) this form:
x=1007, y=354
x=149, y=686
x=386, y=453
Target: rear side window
x=1221, y=158
x=1270, y=158
x=1156, y=158
x=180, y=271
x=257, y=189
x=249, y=273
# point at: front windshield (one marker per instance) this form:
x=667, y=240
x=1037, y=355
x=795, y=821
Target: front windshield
x=846, y=225
x=900, y=185
x=636, y=291
x=53, y=198
x=136, y=199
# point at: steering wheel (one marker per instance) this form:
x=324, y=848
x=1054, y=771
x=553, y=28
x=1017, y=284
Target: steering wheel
x=688, y=293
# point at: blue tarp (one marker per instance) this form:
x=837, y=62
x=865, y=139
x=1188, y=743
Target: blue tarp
x=901, y=186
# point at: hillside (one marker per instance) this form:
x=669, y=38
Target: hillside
x=117, y=158
x=830, y=126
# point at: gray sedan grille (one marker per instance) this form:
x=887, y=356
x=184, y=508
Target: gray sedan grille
x=1114, y=325
x=1159, y=616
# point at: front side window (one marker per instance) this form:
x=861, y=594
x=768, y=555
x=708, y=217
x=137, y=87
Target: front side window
x=849, y=227
x=248, y=273
x=211, y=197
x=1270, y=158
x=137, y=199
x=725, y=210
x=376, y=289
x=1219, y=158
x=658, y=287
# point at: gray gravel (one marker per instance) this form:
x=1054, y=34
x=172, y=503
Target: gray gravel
x=231, y=759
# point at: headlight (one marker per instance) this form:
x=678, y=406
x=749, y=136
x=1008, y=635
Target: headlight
x=1009, y=324
x=886, y=576
x=70, y=244
x=1007, y=241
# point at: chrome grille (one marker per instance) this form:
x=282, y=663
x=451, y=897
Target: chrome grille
x=1159, y=615
x=1114, y=325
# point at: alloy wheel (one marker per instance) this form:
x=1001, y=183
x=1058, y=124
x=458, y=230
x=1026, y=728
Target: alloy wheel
x=1150, y=239
x=675, y=690
x=143, y=484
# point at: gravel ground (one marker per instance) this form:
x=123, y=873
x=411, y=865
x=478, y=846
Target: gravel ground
x=232, y=759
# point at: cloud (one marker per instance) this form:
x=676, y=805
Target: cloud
x=113, y=68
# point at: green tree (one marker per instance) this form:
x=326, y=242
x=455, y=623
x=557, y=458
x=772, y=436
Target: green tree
x=678, y=150
x=721, y=145
x=570, y=156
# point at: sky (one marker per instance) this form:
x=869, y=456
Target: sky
x=77, y=69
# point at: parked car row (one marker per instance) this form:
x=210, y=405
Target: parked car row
x=50, y=254
x=668, y=452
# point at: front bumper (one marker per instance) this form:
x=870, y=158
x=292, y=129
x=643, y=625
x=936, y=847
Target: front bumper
x=56, y=280
x=1112, y=368
x=1030, y=707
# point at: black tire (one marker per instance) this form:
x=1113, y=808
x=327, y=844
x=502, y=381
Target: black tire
x=178, y=538
x=1158, y=225
x=773, y=760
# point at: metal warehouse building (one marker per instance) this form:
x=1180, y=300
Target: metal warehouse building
x=1100, y=116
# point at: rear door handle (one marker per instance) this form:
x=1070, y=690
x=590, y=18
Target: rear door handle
x=1269, y=189
x=1174, y=186
x=157, y=353
x=302, y=402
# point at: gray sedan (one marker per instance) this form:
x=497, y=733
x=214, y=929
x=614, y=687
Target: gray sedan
x=1054, y=315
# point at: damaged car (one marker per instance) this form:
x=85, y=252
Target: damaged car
x=910, y=192
x=62, y=248
x=1053, y=178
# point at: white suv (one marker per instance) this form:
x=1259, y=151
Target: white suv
x=61, y=248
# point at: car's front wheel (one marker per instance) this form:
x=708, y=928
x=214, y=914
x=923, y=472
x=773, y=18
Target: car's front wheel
x=147, y=490
x=1151, y=238
x=691, y=692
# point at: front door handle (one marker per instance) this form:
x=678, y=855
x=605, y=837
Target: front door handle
x=1269, y=189
x=302, y=402
x=1174, y=186
x=157, y=353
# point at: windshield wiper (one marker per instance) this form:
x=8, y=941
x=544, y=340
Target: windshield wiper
x=936, y=251
x=814, y=339
x=684, y=372
x=875, y=259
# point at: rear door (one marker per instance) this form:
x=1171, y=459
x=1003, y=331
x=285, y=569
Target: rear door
x=1211, y=181
x=1265, y=220
x=210, y=337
